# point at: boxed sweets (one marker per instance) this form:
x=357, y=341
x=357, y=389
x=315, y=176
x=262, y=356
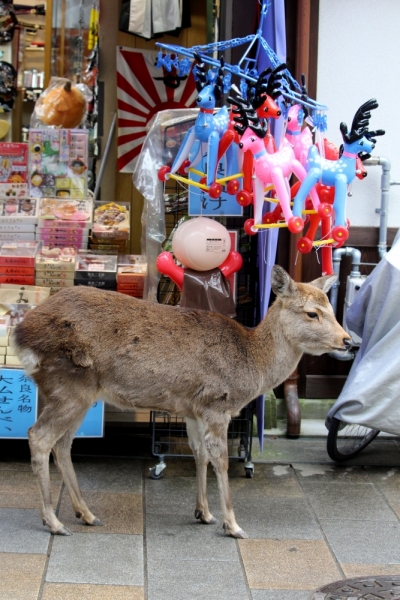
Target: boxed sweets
x=58, y=161
x=111, y=221
x=18, y=253
x=13, y=170
x=65, y=214
x=131, y=273
x=98, y=270
x=55, y=268
x=60, y=260
x=17, y=294
x=18, y=214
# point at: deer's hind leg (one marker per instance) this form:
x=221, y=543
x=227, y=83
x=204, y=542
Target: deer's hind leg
x=195, y=430
x=60, y=417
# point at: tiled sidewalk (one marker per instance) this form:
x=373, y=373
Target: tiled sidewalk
x=309, y=523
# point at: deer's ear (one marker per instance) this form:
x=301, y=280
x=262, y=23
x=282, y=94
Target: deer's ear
x=324, y=283
x=282, y=283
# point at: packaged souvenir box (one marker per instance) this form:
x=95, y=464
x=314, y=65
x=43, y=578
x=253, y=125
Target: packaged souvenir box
x=13, y=170
x=111, y=221
x=19, y=254
x=58, y=161
x=98, y=270
x=67, y=214
x=131, y=273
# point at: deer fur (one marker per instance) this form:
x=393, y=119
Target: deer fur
x=82, y=344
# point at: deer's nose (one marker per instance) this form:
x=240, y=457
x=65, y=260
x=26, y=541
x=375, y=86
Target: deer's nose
x=347, y=343
x=241, y=145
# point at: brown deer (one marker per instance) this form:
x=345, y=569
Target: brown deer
x=82, y=344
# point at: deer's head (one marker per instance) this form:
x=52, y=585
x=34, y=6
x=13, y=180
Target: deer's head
x=265, y=91
x=306, y=316
x=209, y=84
x=248, y=125
x=359, y=139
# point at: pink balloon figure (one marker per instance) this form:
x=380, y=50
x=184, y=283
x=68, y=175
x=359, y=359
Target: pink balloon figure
x=301, y=140
x=272, y=169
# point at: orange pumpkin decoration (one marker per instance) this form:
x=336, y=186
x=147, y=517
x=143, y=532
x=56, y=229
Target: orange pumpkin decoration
x=63, y=105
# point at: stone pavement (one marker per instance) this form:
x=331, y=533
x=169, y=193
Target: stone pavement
x=309, y=521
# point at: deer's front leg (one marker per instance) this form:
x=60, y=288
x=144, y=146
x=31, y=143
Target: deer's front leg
x=217, y=448
x=195, y=431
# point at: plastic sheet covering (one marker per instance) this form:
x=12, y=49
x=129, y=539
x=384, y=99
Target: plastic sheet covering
x=208, y=290
x=371, y=395
x=155, y=154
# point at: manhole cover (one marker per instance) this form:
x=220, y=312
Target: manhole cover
x=361, y=588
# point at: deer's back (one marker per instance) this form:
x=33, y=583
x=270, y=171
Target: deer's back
x=125, y=342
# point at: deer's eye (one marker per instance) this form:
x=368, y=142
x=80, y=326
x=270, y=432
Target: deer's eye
x=252, y=139
x=266, y=109
x=289, y=119
x=312, y=315
x=209, y=98
x=361, y=143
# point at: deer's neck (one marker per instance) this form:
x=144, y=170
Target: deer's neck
x=277, y=356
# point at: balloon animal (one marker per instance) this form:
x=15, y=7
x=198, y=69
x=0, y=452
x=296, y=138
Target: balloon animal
x=339, y=173
x=205, y=135
x=270, y=168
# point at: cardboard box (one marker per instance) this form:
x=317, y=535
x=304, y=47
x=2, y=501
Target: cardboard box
x=16, y=236
x=7, y=270
x=23, y=295
x=18, y=279
x=56, y=259
x=54, y=274
x=82, y=277
x=92, y=262
x=13, y=162
x=21, y=227
x=13, y=361
x=104, y=285
x=18, y=253
x=49, y=282
x=111, y=221
x=16, y=207
x=4, y=340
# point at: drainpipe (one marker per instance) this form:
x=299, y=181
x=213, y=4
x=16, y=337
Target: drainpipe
x=383, y=210
x=337, y=256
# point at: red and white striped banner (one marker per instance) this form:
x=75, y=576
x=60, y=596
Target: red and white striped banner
x=142, y=91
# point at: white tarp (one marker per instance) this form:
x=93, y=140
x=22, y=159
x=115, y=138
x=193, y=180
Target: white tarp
x=371, y=394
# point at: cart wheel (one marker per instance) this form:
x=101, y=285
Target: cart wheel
x=347, y=440
x=154, y=474
x=249, y=472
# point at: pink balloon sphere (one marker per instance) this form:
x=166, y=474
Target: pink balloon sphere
x=201, y=244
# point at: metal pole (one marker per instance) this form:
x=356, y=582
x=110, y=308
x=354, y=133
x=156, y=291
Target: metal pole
x=105, y=156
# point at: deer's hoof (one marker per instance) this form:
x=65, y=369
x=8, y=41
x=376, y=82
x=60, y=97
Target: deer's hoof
x=62, y=531
x=238, y=534
x=96, y=522
x=199, y=514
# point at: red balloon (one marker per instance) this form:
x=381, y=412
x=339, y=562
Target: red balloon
x=231, y=264
x=165, y=264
